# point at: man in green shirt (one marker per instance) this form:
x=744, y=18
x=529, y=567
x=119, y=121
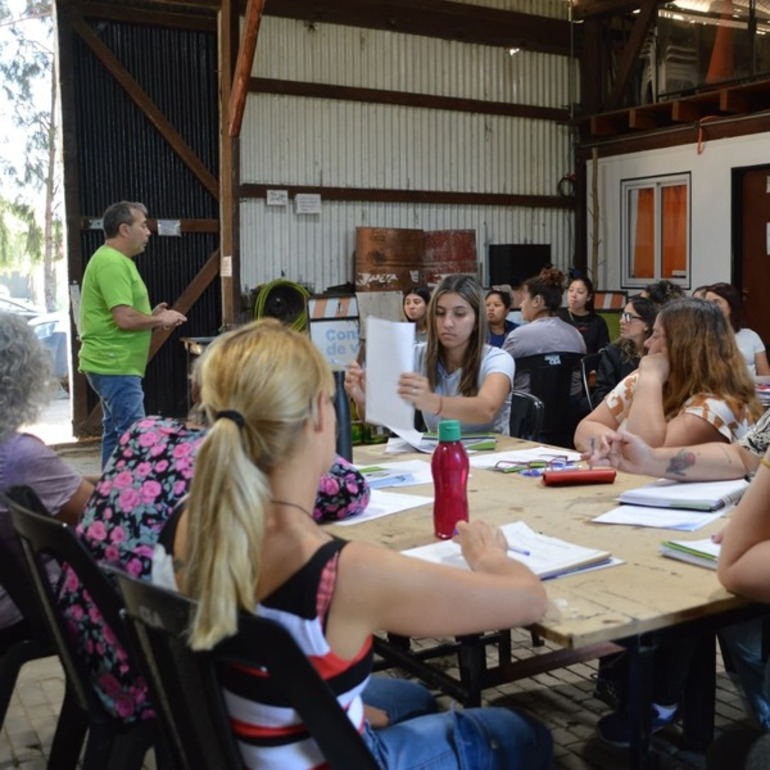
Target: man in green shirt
x=116, y=321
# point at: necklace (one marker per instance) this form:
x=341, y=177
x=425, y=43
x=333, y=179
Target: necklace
x=292, y=505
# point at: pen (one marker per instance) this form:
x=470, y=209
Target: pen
x=593, y=444
x=522, y=551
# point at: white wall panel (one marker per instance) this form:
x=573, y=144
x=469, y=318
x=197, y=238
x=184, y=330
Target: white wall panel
x=320, y=250
x=710, y=196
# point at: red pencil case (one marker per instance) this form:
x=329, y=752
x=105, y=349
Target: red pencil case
x=579, y=476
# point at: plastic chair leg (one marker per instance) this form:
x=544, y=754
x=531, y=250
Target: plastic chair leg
x=69, y=736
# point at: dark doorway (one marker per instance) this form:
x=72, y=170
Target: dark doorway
x=751, y=244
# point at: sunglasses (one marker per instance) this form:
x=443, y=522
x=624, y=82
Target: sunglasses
x=630, y=317
x=534, y=467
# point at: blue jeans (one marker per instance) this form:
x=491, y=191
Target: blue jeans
x=744, y=644
x=122, y=402
x=419, y=738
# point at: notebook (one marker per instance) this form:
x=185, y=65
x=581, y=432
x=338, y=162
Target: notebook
x=696, y=496
x=704, y=552
x=546, y=556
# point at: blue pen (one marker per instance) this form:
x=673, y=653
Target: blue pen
x=522, y=551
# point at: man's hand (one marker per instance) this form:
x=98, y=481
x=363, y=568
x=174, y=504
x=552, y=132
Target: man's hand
x=169, y=319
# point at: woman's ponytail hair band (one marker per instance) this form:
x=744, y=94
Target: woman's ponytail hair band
x=231, y=414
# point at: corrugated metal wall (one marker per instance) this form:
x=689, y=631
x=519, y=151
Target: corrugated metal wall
x=121, y=156
x=318, y=142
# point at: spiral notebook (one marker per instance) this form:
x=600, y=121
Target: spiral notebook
x=696, y=496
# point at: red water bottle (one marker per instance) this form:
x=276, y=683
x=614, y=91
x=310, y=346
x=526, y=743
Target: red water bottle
x=449, y=466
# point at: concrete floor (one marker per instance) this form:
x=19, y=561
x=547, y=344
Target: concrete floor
x=562, y=698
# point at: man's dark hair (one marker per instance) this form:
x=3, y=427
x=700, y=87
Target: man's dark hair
x=118, y=214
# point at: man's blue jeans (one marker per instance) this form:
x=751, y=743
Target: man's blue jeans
x=122, y=401
x=418, y=738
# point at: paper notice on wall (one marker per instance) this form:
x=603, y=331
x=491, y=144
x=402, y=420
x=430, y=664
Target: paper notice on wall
x=767, y=238
x=226, y=267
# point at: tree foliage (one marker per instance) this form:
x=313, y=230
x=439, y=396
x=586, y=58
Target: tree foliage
x=27, y=88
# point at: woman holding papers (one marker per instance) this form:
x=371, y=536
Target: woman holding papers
x=246, y=541
x=457, y=375
x=690, y=388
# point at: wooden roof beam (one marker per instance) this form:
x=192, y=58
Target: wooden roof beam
x=691, y=111
x=631, y=52
x=436, y=18
x=609, y=124
x=244, y=64
x=587, y=9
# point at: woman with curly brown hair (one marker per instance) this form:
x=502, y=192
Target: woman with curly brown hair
x=692, y=386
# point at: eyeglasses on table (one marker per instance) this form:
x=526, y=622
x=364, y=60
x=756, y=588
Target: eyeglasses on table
x=534, y=467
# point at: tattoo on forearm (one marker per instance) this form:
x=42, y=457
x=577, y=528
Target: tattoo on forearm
x=680, y=462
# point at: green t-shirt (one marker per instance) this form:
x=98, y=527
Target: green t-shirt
x=111, y=279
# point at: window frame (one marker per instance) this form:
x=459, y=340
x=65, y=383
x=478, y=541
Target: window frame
x=657, y=182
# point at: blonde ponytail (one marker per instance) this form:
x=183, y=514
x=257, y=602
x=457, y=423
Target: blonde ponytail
x=261, y=380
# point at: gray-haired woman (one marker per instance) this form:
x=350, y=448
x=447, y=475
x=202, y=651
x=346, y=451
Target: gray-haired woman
x=25, y=387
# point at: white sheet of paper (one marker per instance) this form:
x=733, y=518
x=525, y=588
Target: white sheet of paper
x=662, y=518
x=486, y=460
x=389, y=353
x=383, y=503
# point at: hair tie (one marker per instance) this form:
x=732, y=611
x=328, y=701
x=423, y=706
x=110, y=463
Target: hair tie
x=231, y=414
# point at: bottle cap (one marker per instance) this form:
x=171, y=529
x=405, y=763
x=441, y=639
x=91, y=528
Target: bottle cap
x=449, y=430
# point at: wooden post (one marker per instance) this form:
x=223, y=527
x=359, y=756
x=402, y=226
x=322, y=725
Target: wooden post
x=243, y=66
x=229, y=168
x=595, y=241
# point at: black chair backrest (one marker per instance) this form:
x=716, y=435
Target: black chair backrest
x=526, y=415
x=550, y=379
x=588, y=365
x=42, y=538
x=14, y=575
x=188, y=694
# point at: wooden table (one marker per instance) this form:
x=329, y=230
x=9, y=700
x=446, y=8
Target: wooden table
x=637, y=604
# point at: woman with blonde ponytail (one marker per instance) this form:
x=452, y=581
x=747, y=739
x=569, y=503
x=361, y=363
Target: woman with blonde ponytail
x=246, y=541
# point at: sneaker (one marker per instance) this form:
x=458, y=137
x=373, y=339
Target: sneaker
x=615, y=730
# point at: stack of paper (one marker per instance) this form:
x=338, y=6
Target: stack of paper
x=546, y=556
x=704, y=553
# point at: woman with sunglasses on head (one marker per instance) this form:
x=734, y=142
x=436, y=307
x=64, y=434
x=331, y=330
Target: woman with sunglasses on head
x=728, y=299
x=246, y=542
x=580, y=313
x=622, y=356
x=457, y=375
x=690, y=388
